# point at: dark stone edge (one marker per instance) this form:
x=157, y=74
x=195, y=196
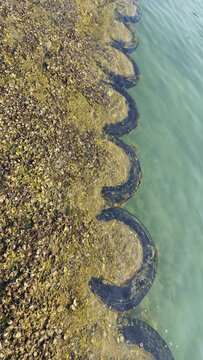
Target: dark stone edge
x=121, y=193
x=142, y=334
x=128, y=296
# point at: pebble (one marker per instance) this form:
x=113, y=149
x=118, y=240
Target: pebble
x=18, y=335
x=73, y=306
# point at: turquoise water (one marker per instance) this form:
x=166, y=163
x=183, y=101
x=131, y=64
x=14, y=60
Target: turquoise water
x=169, y=140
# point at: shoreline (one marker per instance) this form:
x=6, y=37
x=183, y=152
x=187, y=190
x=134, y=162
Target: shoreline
x=57, y=92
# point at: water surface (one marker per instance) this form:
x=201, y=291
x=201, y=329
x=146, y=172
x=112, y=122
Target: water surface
x=169, y=142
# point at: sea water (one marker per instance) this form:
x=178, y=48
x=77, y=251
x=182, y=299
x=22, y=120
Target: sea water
x=169, y=141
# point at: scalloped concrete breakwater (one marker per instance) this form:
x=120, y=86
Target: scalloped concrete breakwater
x=62, y=83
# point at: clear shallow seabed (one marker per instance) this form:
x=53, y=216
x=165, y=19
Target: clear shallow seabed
x=169, y=140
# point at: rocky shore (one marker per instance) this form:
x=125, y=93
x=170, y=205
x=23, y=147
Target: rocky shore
x=54, y=102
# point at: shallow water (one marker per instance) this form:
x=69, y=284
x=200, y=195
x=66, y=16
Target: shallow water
x=169, y=141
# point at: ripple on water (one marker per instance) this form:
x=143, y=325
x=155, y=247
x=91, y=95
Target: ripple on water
x=169, y=142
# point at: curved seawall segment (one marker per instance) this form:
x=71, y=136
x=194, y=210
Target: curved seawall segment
x=120, y=193
x=128, y=296
x=120, y=80
x=131, y=19
x=128, y=124
x=127, y=46
x=142, y=334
